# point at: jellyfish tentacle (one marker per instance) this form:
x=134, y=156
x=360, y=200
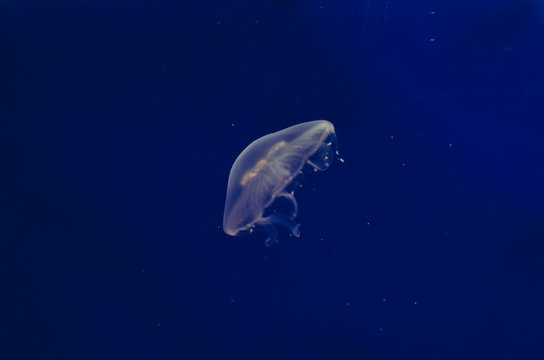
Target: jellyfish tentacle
x=315, y=166
x=334, y=144
x=322, y=158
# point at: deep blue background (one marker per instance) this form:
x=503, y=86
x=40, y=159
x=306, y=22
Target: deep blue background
x=120, y=121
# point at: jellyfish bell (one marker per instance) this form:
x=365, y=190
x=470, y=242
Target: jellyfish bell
x=268, y=169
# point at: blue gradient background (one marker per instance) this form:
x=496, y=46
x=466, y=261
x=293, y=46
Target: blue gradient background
x=120, y=121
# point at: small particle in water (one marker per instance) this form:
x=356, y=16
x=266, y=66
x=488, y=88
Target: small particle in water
x=432, y=39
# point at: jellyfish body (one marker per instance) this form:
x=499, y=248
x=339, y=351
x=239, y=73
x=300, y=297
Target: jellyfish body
x=268, y=169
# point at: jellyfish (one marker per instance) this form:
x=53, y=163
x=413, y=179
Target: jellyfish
x=269, y=169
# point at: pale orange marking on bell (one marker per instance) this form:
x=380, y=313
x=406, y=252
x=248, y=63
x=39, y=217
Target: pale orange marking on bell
x=261, y=163
x=276, y=148
x=251, y=174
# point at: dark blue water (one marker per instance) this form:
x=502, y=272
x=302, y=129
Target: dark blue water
x=120, y=121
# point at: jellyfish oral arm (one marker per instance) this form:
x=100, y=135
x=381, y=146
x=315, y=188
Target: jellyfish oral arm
x=291, y=198
x=278, y=219
x=271, y=234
